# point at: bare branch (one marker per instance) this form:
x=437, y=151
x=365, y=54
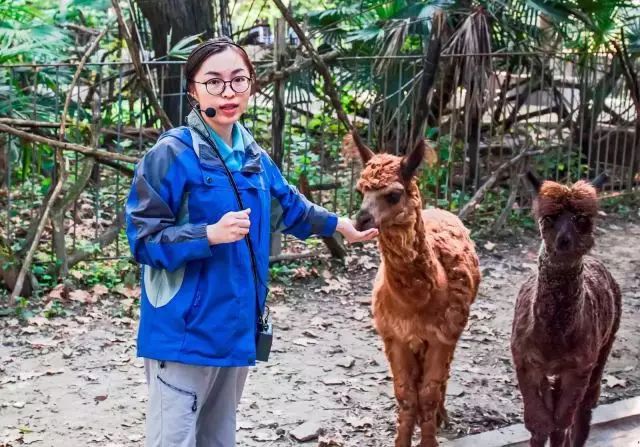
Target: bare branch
x=329, y=85
x=76, y=76
x=129, y=131
x=134, y=51
x=296, y=67
x=98, y=153
x=479, y=195
x=62, y=174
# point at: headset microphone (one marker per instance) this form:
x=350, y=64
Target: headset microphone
x=209, y=111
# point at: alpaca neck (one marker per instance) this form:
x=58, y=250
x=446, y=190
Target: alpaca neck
x=409, y=260
x=559, y=296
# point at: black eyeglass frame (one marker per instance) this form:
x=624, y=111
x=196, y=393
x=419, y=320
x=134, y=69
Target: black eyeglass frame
x=224, y=84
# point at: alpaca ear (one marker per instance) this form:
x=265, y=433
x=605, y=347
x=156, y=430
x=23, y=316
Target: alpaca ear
x=365, y=151
x=411, y=162
x=599, y=181
x=534, y=181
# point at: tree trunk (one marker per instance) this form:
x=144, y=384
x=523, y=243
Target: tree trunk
x=180, y=18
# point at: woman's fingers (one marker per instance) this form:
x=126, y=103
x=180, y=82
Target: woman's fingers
x=363, y=236
x=243, y=223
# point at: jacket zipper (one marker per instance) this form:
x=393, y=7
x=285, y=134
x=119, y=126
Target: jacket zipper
x=194, y=407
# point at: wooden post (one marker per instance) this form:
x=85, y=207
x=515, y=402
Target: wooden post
x=278, y=114
x=278, y=111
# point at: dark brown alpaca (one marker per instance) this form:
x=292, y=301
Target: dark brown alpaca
x=566, y=318
x=427, y=280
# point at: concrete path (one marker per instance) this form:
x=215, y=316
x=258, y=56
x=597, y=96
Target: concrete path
x=614, y=425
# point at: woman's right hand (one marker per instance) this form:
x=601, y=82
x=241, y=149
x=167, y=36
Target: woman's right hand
x=232, y=227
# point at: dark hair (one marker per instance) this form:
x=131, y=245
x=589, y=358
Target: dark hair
x=210, y=47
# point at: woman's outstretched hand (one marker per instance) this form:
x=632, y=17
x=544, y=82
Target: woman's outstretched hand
x=346, y=228
x=232, y=227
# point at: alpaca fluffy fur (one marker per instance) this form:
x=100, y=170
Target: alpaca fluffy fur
x=565, y=322
x=427, y=280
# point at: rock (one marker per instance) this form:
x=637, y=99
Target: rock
x=332, y=380
x=454, y=389
x=306, y=432
x=346, y=362
x=360, y=423
x=310, y=334
x=265, y=435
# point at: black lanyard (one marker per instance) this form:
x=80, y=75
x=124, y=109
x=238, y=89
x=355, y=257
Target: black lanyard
x=247, y=238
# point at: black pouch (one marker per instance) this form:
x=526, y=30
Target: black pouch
x=264, y=339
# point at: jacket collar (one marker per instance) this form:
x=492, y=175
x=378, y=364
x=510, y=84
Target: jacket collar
x=208, y=156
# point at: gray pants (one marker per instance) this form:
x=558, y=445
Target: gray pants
x=192, y=406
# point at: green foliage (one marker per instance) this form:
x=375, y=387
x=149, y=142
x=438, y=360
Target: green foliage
x=56, y=309
x=107, y=273
x=21, y=309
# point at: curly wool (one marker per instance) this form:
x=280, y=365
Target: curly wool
x=565, y=321
x=380, y=172
x=553, y=198
x=427, y=280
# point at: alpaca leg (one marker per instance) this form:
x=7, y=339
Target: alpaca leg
x=405, y=370
x=430, y=396
x=442, y=416
x=558, y=438
x=582, y=423
x=538, y=440
x=538, y=417
x=573, y=386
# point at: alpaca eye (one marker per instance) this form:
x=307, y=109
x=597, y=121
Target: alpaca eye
x=548, y=220
x=581, y=221
x=393, y=197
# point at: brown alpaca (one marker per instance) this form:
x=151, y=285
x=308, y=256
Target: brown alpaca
x=427, y=280
x=566, y=318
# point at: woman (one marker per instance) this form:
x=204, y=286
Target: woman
x=205, y=260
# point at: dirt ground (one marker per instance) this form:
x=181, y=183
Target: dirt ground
x=76, y=381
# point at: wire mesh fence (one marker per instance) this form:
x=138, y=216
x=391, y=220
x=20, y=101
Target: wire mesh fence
x=489, y=117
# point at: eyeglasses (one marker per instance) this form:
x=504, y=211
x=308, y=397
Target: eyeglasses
x=216, y=86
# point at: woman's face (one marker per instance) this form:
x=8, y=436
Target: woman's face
x=230, y=105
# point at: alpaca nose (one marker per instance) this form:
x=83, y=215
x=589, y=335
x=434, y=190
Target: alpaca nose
x=563, y=242
x=364, y=220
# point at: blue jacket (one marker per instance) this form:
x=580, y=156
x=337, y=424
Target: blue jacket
x=198, y=303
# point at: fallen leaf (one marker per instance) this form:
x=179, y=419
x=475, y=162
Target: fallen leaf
x=43, y=343
x=58, y=292
x=100, y=398
x=489, y=246
x=357, y=422
x=82, y=296
x=331, y=441
x=99, y=290
x=613, y=381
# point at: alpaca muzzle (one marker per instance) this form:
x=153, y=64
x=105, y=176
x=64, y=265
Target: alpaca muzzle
x=365, y=221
